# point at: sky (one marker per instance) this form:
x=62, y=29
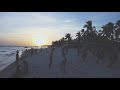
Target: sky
x=35, y=28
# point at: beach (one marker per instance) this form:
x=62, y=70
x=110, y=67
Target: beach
x=70, y=66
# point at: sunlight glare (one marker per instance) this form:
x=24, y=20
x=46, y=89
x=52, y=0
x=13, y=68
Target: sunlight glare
x=39, y=40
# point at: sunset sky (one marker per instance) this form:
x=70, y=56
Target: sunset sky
x=35, y=28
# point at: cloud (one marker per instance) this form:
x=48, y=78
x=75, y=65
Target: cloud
x=22, y=25
x=70, y=20
x=23, y=20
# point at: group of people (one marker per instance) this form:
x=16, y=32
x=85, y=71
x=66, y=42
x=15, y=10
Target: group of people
x=101, y=52
x=33, y=51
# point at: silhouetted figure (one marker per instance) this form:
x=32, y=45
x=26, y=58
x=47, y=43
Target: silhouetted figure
x=35, y=51
x=102, y=54
x=66, y=49
x=51, y=56
x=94, y=51
x=84, y=55
x=63, y=51
x=78, y=50
x=17, y=62
x=63, y=65
x=26, y=51
x=41, y=49
x=113, y=58
x=98, y=56
x=22, y=50
x=32, y=52
x=17, y=56
x=50, y=64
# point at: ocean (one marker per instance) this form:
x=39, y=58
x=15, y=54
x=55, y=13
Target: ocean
x=8, y=55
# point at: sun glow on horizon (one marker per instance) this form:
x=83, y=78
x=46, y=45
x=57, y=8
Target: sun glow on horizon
x=39, y=40
x=41, y=28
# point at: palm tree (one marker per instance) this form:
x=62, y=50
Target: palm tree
x=78, y=36
x=82, y=34
x=118, y=23
x=91, y=31
x=105, y=31
x=111, y=29
x=117, y=31
x=88, y=25
x=68, y=37
x=62, y=40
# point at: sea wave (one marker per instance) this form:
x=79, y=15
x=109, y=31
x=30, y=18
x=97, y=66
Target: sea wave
x=7, y=55
x=10, y=53
x=3, y=51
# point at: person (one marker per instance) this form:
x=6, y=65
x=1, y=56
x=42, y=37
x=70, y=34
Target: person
x=78, y=50
x=112, y=57
x=66, y=49
x=26, y=51
x=17, y=61
x=36, y=50
x=41, y=49
x=22, y=51
x=102, y=54
x=31, y=51
x=63, y=64
x=17, y=56
x=84, y=54
x=51, y=56
x=63, y=51
x=98, y=55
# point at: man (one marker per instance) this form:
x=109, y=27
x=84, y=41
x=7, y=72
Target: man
x=78, y=50
x=17, y=61
x=31, y=51
x=66, y=49
x=63, y=51
x=51, y=56
x=17, y=56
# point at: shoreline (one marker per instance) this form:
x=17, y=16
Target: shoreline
x=10, y=70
